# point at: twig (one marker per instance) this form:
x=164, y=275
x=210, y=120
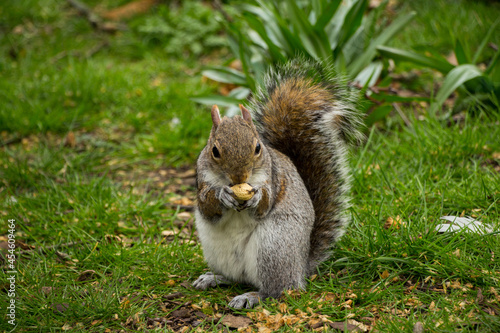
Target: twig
x=83, y=10
x=11, y=141
x=88, y=54
x=95, y=21
x=44, y=250
x=400, y=112
x=218, y=7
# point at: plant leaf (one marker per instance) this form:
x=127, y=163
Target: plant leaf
x=378, y=114
x=398, y=54
x=485, y=40
x=455, y=78
x=240, y=93
x=352, y=22
x=492, y=68
x=370, y=74
x=316, y=42
x=366, y=57
x=460, y=53
x=257, y=25
x=326, y=15
x=225, y=75
x=217, y=99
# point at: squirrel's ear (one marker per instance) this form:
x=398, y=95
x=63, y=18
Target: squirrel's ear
x=215, y=116
x=246, y=114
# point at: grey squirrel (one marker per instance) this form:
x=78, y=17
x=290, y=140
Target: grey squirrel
x=295, y=159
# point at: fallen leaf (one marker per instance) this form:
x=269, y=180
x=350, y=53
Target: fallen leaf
x=86, y=275
x=60, y=308
x=393, y=222
x=129, y=10
x=168, y=233
x=479, y=297
x=172, y=296
x=70, y=140
x=236, y=321
x=344, y=326
x=46, y=290
x=184, y=216
x=66, y=327
x=418, y=327
x=63, y=256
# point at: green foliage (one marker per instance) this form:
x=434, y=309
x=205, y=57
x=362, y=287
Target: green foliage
x=343, y=34
x=190, y=28
x=472, y=83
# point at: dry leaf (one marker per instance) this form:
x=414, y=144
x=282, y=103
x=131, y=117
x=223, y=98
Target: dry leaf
x=418, y=327
x=70, y=140
x=168, y=233
x=236, y=321
x=343, y=326
x=393, y=222
x=86, y=275
x=66, y=327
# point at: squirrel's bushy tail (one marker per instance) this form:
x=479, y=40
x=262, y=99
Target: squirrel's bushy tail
x=310, y=115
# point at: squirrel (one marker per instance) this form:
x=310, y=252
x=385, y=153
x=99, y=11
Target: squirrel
x=295, y=159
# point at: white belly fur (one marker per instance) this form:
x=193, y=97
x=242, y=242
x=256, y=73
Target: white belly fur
x=230, y=246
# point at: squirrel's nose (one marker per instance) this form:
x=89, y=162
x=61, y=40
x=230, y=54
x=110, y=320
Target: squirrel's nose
x=239, y=178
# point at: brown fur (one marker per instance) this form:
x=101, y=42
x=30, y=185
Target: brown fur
x=210, y=206
x=288, y=117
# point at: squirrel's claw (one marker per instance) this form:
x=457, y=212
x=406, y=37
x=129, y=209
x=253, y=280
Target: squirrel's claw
x=247, y=300
x=225, y=196
x=254, y=201
x=209, y=280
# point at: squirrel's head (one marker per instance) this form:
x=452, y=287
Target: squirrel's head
x=234, y=146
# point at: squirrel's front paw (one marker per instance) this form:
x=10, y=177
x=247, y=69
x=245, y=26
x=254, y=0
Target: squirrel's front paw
x=225, y=196
x=254, y=201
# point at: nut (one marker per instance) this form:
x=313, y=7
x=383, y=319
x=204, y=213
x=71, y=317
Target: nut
x=243, y=192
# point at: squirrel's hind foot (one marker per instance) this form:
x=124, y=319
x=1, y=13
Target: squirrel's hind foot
x=209, y=280
x=247, y=300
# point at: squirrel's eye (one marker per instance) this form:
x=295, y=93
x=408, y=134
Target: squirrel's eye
x=257, y=149
x=215, y=152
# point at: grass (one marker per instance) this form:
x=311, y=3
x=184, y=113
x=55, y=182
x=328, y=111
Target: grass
x=109, y=244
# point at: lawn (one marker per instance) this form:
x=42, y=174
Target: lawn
x=98, y=138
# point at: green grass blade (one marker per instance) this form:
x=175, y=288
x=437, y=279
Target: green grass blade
x=455, y=78
x=485, y=40
x=396, y=26
x=398, y=54
x=460, y=53
x=225, y=75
